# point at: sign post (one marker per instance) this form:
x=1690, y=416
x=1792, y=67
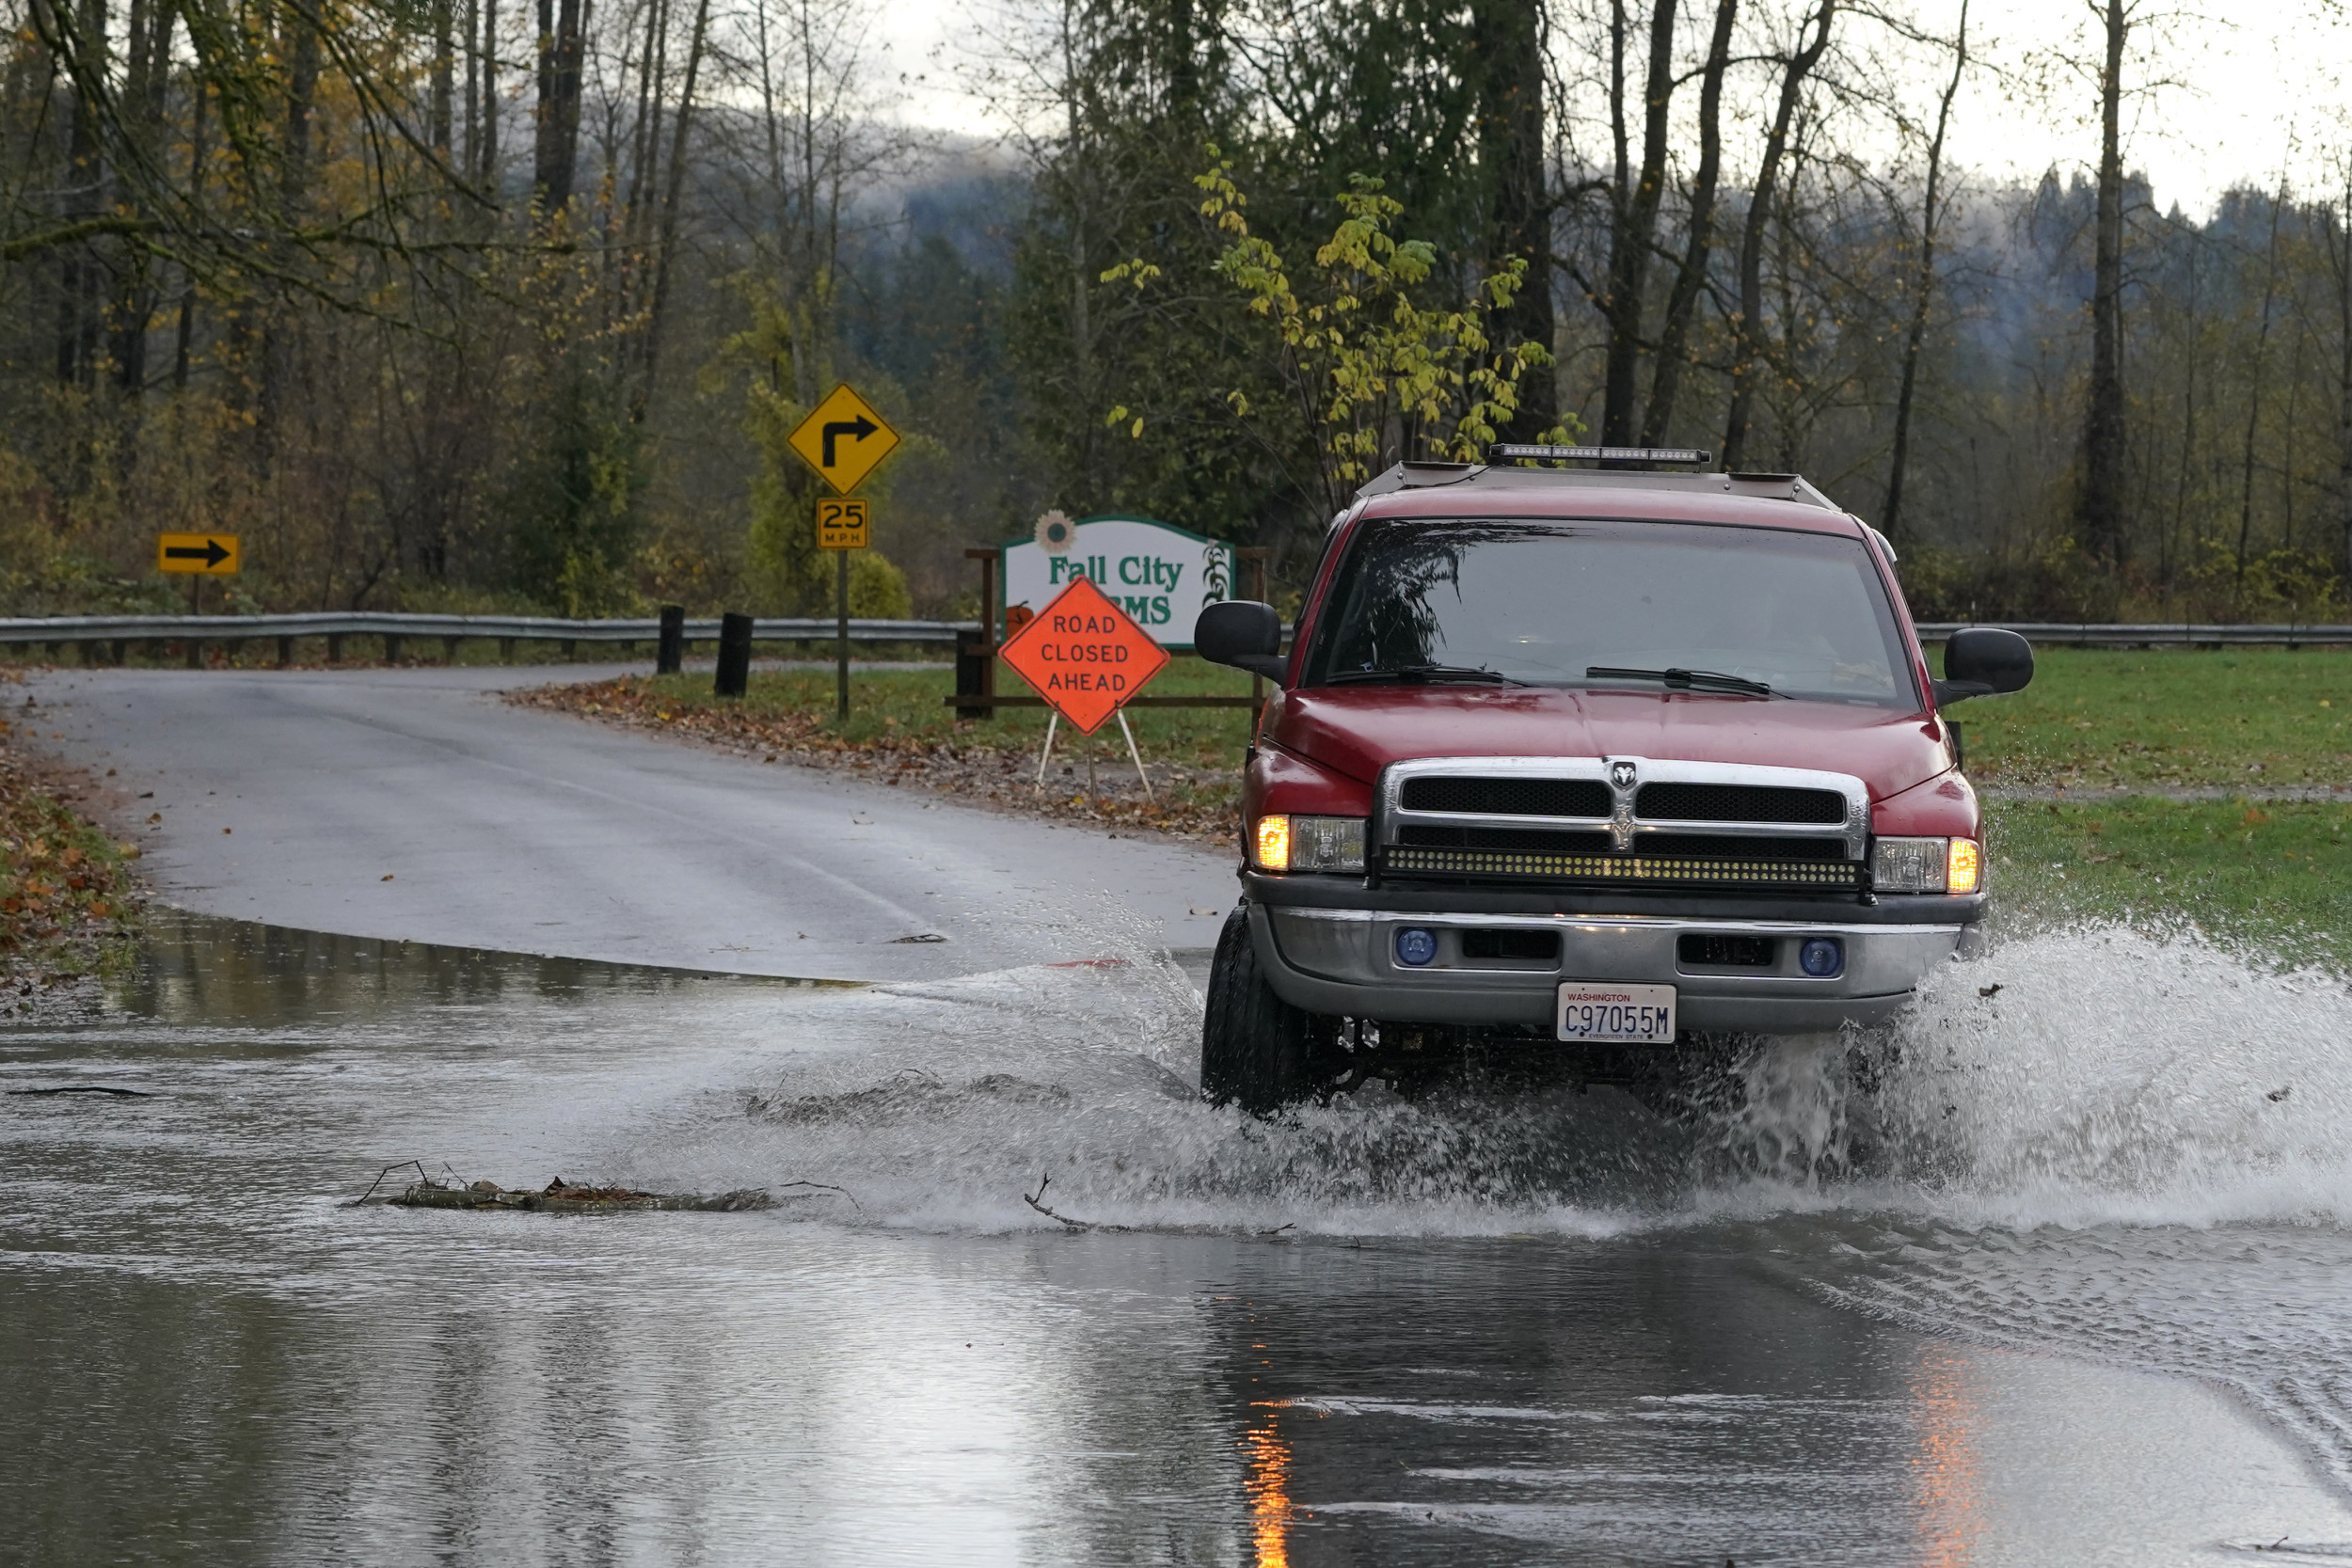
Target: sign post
x=844, y=440
x=1088, y=660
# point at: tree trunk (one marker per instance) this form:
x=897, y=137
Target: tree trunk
x=2254, y=388
x=555, y=154
x=79, y=273
x=1511, y=151
x=2099, y=510
x=1674, y=336
x=302, y=80
x=444, y=69
x=1633, y=232
x=184, y=337
x=2340, y=252
x=143, y=110
x=1923, y=292
x=666, y=241
x=487, y=171
x=1745, y=328
x=469, y=152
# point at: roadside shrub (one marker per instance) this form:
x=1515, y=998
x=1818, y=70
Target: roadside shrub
x=878, y=589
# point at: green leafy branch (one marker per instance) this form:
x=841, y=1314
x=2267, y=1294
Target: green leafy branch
x=1379, y=375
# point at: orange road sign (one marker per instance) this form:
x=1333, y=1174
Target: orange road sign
x=843, y=439
x=842, y=522
x=1083, y=655
x=214, y=555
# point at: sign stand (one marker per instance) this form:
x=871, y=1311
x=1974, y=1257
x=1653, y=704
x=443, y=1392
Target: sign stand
x=1145, y=779
x=841, y=656
x=1053, y=719
x=1046, y=755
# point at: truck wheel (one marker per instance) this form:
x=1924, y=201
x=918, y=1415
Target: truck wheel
x=1256, y=1050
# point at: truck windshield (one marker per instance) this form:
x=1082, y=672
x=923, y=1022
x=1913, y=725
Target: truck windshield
x=1606, y=604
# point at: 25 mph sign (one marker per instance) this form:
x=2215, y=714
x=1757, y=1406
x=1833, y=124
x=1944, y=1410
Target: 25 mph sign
x=1083, y=655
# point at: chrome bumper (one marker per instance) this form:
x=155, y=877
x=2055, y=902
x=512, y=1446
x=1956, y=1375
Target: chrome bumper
x=1343, y=961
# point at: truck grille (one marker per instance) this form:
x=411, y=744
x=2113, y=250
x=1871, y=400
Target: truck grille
x=1719, y=802
x=1681, y=845
x=1629, y=821
x=1490, y=797
x=1664, y=870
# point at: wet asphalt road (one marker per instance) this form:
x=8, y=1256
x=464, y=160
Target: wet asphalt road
x=2091, y=1311
x=413, y=804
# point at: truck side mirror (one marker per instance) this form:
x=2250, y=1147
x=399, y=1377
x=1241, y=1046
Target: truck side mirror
x=1244, y=634
x=1979, y=662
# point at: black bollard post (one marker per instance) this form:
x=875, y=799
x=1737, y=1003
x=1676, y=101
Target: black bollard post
x=671, y=659
x=735, y=655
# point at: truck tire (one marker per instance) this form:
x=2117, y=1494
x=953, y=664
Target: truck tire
x=1256, y=1051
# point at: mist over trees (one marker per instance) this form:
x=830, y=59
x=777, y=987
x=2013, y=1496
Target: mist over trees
x=473, y=303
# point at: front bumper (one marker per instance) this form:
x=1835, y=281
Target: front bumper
x=1340, y=961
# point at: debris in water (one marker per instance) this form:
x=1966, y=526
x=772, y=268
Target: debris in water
x=1994, y=990
x=561, y=1197
x=2278, y=1094
x=142, y=1094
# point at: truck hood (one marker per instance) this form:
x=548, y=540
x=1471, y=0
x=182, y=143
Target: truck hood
x=1359, y=730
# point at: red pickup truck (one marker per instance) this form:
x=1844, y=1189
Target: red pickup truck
x=1592, y=762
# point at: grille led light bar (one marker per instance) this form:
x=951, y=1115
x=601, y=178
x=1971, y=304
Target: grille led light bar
x=1660, y=868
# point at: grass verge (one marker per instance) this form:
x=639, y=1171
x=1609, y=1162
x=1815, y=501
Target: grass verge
x=2175, y=718
x=2265, y=874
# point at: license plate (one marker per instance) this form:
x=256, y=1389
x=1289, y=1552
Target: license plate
x=1596, y=1010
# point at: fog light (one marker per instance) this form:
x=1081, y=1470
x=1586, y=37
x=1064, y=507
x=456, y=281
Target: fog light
x=1821, y=957
x=1416, y=946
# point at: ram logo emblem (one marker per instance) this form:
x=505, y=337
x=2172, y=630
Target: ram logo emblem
x=1621, y=774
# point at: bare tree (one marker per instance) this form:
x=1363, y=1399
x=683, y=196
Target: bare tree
x=1512, y=156
x=1673, y=334
x=1747, y=325
x=2099, y=507
x=1634, y=197
x=2255, y=380
x=563, y=41
x=1923, y=292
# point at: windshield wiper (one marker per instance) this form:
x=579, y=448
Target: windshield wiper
x=1681, y=680
x=1411, y=673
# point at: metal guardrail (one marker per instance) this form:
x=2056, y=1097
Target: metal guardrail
x=2149, y=634
x=337, y=625
x=394, y=628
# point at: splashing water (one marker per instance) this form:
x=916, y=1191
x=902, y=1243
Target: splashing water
x=2074, y=1078
x=2126, y=1147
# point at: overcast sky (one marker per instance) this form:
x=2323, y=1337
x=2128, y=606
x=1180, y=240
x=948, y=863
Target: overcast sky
x=2258, y=88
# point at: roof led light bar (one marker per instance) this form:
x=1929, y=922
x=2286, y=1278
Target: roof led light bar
x=1599, y=454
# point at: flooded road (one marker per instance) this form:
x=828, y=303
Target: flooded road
x=2084, y=1303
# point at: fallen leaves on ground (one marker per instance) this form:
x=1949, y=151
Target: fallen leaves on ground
x=66, y=890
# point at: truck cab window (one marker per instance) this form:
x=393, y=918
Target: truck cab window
x=1544, y=603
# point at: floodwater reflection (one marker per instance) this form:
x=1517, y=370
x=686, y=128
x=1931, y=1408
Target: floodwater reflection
x=1945, y=1469
x=210, y=1356
x=1266, y=1479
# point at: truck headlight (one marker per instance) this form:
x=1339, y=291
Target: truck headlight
x=1286, y=842
x=1927, y=864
